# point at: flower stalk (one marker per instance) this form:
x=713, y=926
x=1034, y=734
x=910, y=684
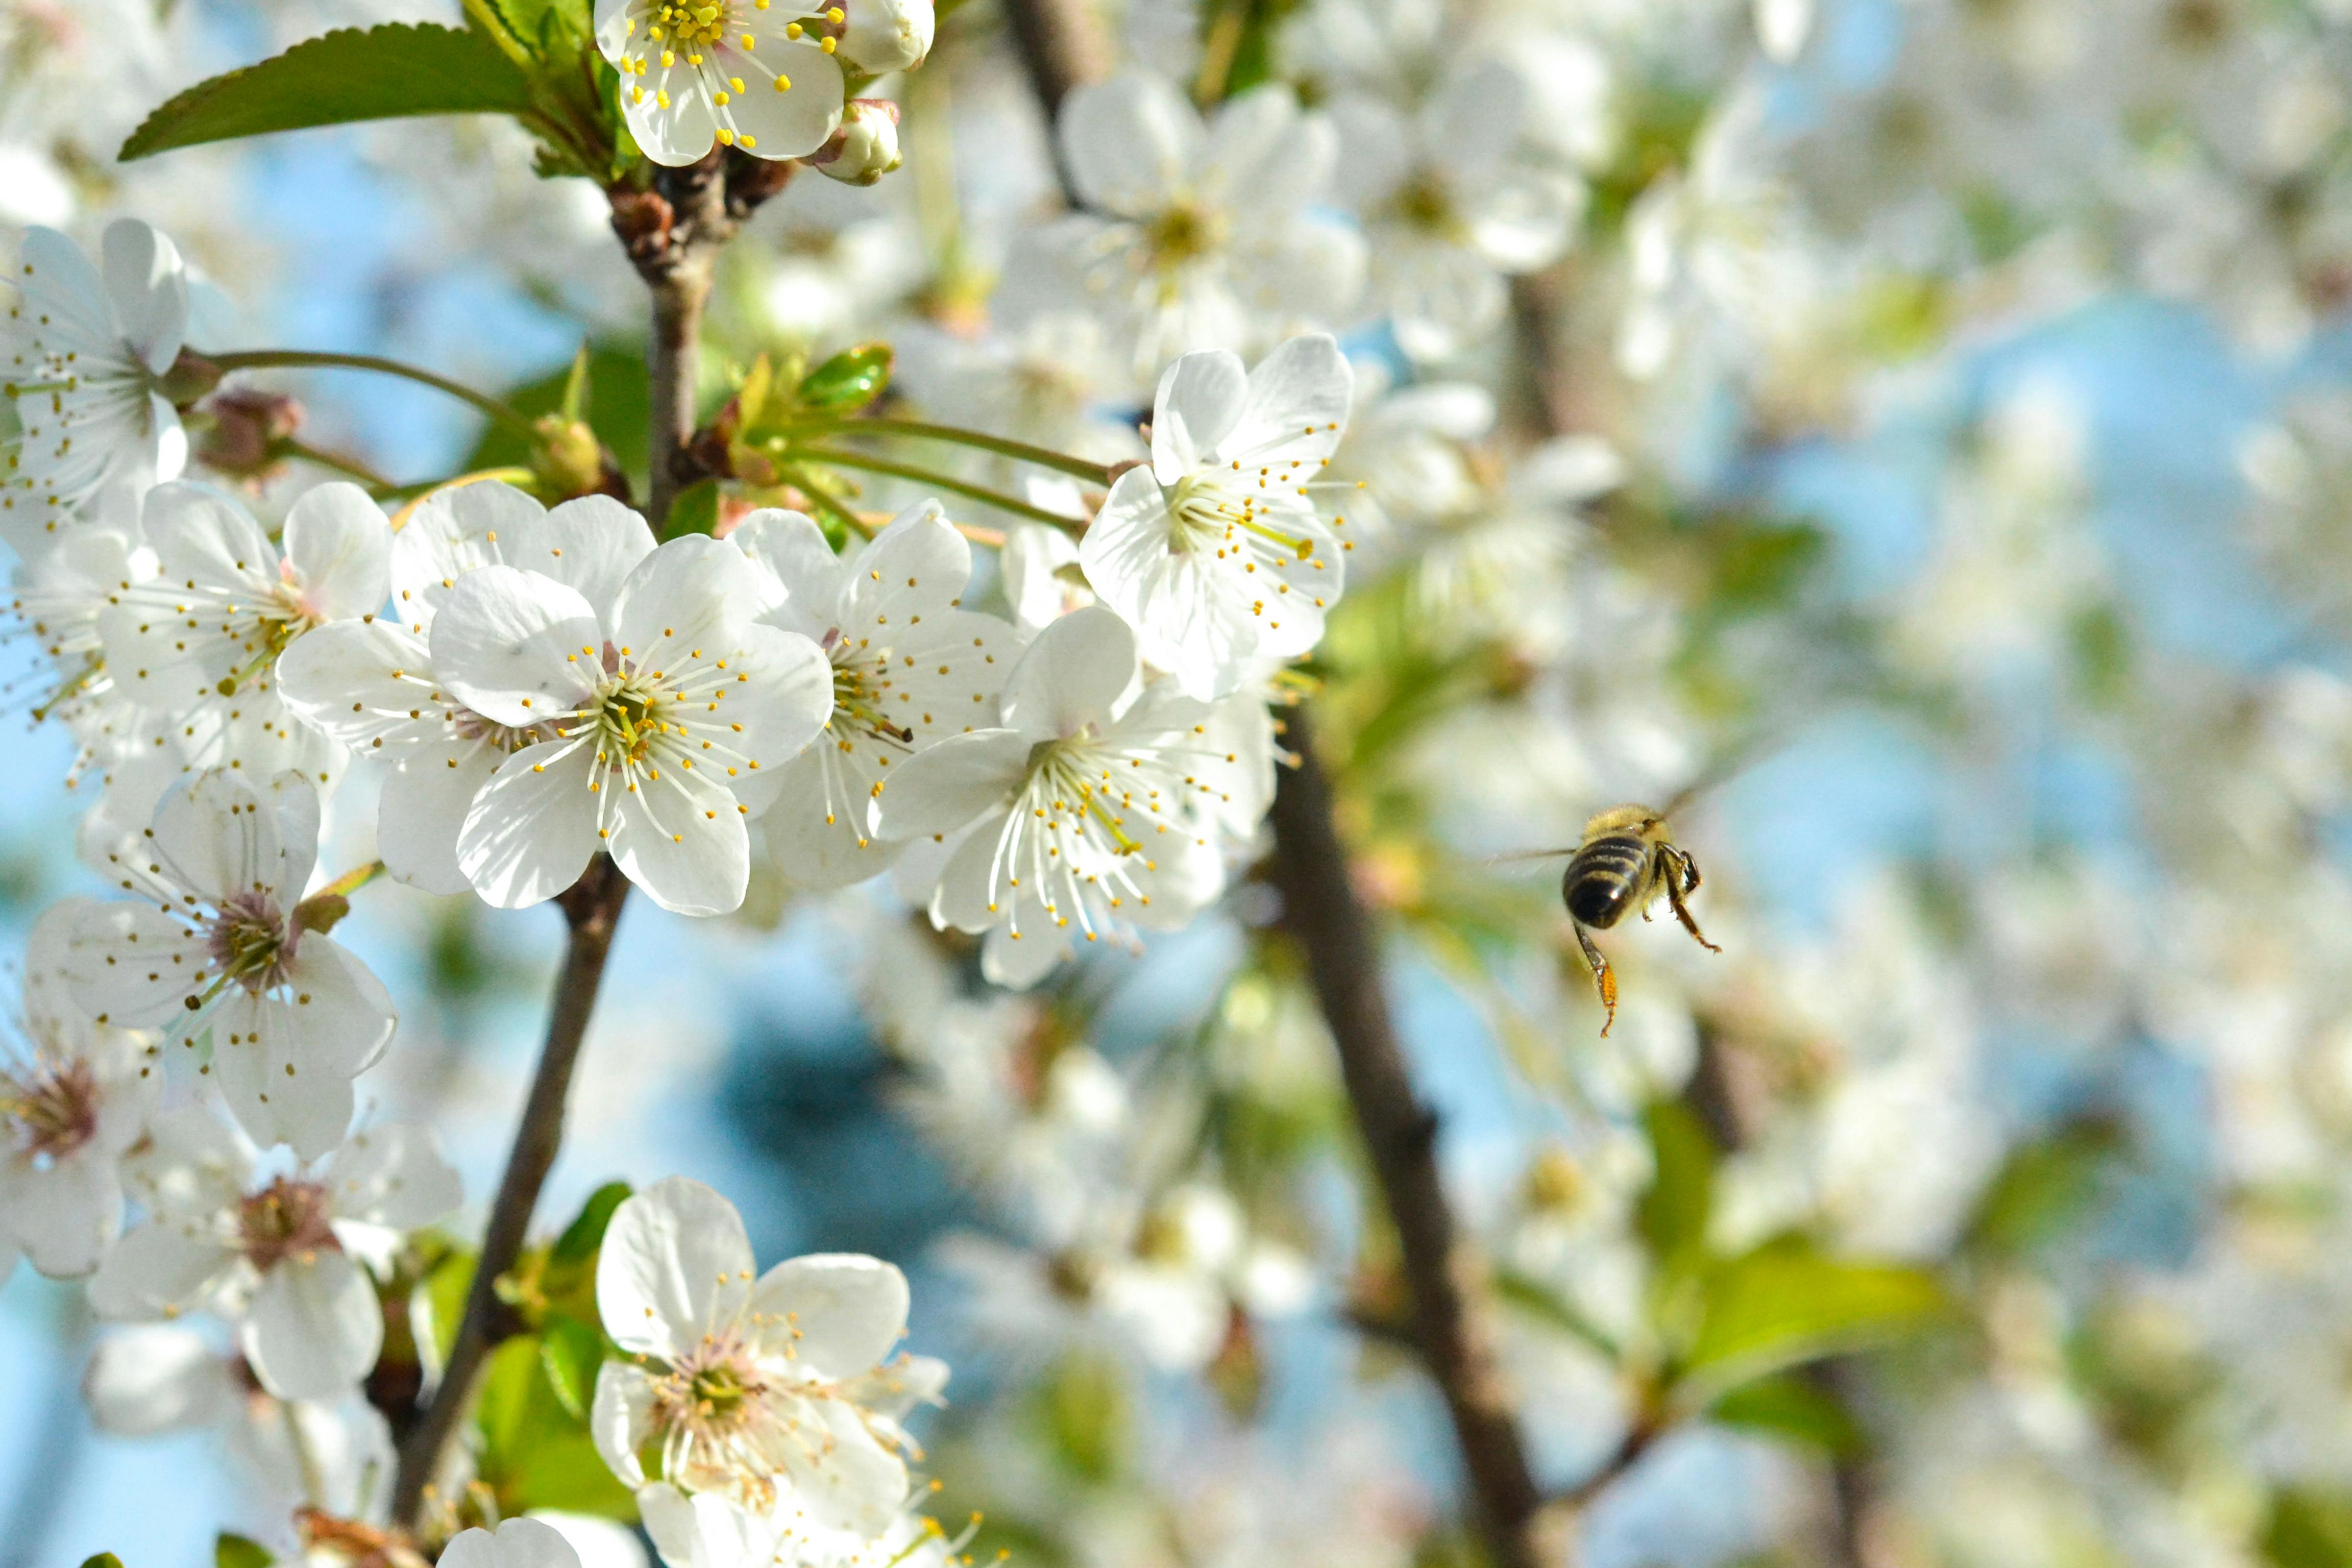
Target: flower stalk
x=309, y=359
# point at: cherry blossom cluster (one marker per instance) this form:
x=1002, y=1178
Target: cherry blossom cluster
x=528, y=688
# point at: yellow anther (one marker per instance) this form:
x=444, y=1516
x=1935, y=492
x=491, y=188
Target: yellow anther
x=726, y=137
x=720, y=97
x=827, y=46
x=783, y=82
x=835, y=16
x=736, y=82
x=750, y=140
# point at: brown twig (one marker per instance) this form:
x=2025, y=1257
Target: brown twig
x=1450, y=1323
x=592, y=909
x=1062, y=45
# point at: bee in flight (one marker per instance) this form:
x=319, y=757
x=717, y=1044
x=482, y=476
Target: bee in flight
x=1623, y=863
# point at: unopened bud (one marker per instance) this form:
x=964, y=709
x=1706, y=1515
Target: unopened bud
x=887, y=35
x=865, y=148
x=569, y=460
x=247, y=426
x=192, y=376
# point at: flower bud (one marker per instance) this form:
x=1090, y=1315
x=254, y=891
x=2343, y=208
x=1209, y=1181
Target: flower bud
x=865, y=148
x=569, y=460
x=247, y=427
x=190, y=378
x=887, y=35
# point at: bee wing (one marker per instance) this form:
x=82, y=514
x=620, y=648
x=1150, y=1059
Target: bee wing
x=1523, y=856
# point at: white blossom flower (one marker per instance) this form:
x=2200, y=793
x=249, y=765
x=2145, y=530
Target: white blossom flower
x=743, y=73
x=1215, y=554
x=78, y=1095
x=63, y=586
x=370, y=684
x=660, y=717
x=1091, y=803
x=283, y=1257
x=1043, y=580
x=909, y=669
x=1200, y=236
x=293, y=1016
x=519, y=1543
x=148, y=1378
x=82, y=352
x=1452, y=204
x=196, y=648
x=763, y=1391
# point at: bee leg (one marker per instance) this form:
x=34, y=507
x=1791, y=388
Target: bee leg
x=1675, y=890
x=1690, y=872
x=1604, y=979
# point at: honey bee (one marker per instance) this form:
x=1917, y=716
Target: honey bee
x=1624, y=861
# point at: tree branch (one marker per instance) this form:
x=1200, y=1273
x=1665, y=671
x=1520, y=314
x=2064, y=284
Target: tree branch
x=1450, y=1322
x=592, y=909
x=1062, y=45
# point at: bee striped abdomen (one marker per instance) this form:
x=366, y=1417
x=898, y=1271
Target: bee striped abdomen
x=1606, y=878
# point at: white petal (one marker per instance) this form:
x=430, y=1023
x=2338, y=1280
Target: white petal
x=339, y=543
x=841, y=1312
x=362, y=682
x=916, y=566
x=132, y=965
x=966, y=896
x=591, y=544
x=450, y=533
x=471, y=1549
x=787, y=124
x=393, y=1175
x=706, y=1531
x=1130, y=142
x=532, y=827
x=255, y=1039
x=423, y=809
x=193, y=1164
x=801, y=576
x=148, y=286
x=67, y=1215
x=1199, y=399
x=820, y=831
x=157, y=1377
x=621, y=1417
x=214, y=840
x=198, y=533
x=848, y=1480
x=599, y=1542
x=517, y=648
x=942, y=787
x=160, y=1269
x=780, y=700
x=1071, y=676
x=691, y=593
x=1263, y=156
x=1296, y=408
x=314, y=1328
x=675, y=134
x=676, y=1263
x=1017, y=963
x=681, y=839
x=531, y=1544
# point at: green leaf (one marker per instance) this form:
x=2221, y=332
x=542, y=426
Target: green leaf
x=384, y=73
x=2042, y=1191
x=1084, y=1407
x=1785, y=1303
x=848, y=381
x=236, y=1552
x=1673, y=1212
x=570, y=1352
x=586, y=1234
x=439, y=1303
x=536, y=1452
x=2309, y=1527
x=101, y=1560
x=696, y=511
x=1791, y=1408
